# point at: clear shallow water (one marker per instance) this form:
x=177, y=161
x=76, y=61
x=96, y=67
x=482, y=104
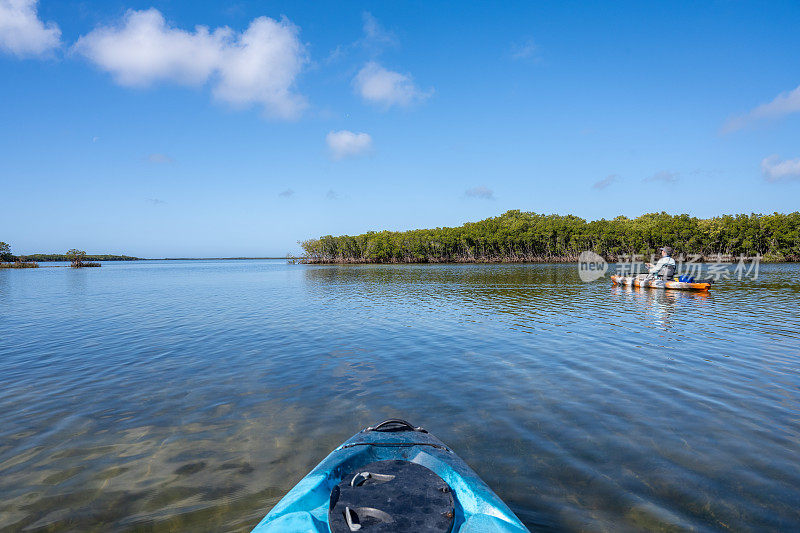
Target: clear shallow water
x=166, y=396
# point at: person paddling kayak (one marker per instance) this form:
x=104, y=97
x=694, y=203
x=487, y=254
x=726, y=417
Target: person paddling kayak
x=664, y=268
x=660, y=276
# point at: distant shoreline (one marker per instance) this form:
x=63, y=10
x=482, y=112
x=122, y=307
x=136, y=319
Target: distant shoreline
x=61, y=258
x=211, y=258
x=37, y=258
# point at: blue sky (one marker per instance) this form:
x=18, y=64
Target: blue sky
x=126, y=129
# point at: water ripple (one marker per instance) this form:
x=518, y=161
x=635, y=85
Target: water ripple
x=193, y=395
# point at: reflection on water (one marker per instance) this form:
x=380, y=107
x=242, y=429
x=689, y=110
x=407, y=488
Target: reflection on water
x=665, y=308
x=192, y=395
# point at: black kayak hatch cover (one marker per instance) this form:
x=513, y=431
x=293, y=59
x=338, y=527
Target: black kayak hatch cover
x=398, y=496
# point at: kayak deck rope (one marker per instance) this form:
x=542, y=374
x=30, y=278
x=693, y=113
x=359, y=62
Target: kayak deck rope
x=396, y=424
x=395, y=445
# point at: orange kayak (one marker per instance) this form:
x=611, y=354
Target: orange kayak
x=659, y=284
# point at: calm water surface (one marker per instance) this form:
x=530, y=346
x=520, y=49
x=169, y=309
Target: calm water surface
x=167, y=396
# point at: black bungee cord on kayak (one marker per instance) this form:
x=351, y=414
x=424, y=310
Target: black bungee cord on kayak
x=396, y=424
x=391, y=477
x=392, y=495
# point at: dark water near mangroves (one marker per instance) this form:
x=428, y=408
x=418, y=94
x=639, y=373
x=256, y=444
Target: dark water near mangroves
x=171, y=396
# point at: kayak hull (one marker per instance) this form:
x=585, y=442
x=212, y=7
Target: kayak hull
x=305, y=507
x=659, y=284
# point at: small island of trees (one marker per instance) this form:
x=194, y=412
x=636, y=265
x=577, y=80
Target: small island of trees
x=517, y=236
x=76, y=258
x=9, y=260
x=43, y=258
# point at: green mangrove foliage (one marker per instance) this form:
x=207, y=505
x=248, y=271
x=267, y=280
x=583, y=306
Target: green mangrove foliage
x=78, y=259
x=9, y=260
x=19, y=264
x=5, y=252
x=517, y=236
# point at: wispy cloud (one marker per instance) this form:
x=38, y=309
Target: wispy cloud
x=784, y=104
x=605, y=182
x=705, y=172
x=332, y=195
x=345, y=143
x=257, y=66
x=527, y=50
x=288, y=193
x=155, y=201
x=159, y=159
x=374, y=40
x=375, y=35
x=387, y=88
x=22, y=33
x=775, y=170
x=484, y=193
x=663, y=177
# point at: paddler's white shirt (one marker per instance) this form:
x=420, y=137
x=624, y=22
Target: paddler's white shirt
x=664, y=261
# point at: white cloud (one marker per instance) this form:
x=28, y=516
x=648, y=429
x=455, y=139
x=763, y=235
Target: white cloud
x=605, y=182
x=347, y=144
x=21, y=31
x=784, y=104
x=332, y=195
x=262, y=67
x=143, y=50
x=481, y=192
x=663, y=176
x=775, y=170
x=386, y=87
x=257, y=66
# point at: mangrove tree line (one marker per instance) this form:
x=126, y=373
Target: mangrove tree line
x=517, y=236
